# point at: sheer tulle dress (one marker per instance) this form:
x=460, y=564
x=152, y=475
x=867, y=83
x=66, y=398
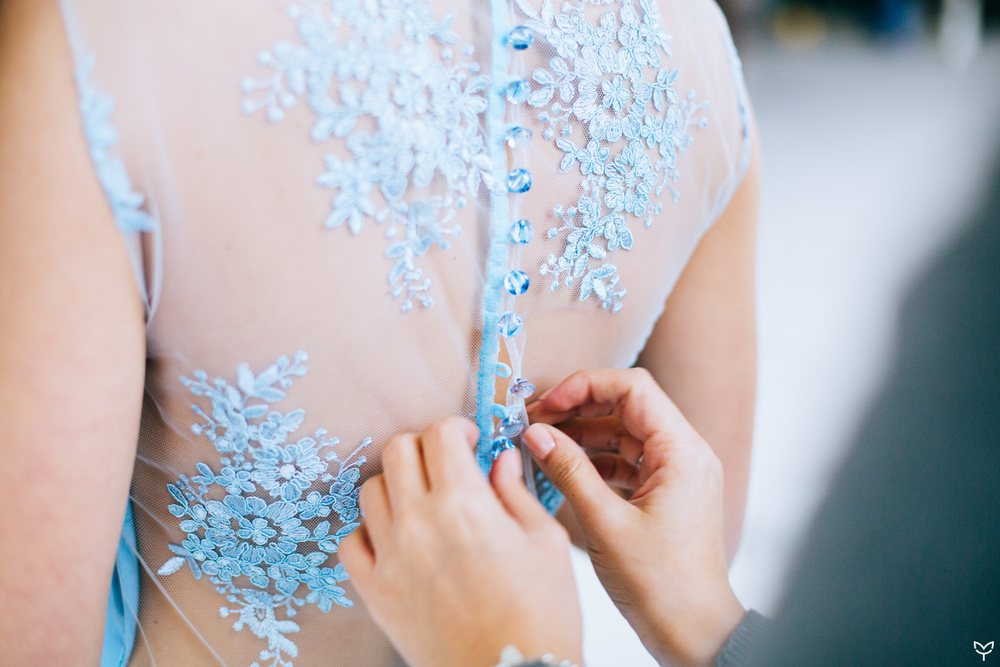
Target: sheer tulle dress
x=351, y=218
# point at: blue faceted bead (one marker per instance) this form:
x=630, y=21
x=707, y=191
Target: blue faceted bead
x=499, y=445
x=518, y=137
x=521, y=389
x=511, y=427
x=519, y=180
x=517, y=91
x=520, y=38
x=521, y=232
x=510, y=324
x=516, y=282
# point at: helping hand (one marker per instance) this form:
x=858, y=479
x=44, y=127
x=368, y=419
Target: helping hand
x=454, y=571
x=660, y=554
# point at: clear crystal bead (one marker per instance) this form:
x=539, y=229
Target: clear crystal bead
x=499, y=445
x=520, y=38
x=516, y=282
x=522, y=389
x=519, y=180
x=510, y=324
x=521, y=232
x=518, y=137
x=517, y=91
x=511, y=427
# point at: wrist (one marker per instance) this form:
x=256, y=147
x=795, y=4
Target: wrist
x=496, y=647
x=511, y=657
x=701, y=633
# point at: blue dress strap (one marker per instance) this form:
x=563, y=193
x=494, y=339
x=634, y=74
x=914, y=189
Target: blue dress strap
x=123, y=600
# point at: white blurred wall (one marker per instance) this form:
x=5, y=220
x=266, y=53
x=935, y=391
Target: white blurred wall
x=874, y=155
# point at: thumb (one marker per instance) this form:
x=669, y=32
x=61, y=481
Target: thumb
x=571, y=471
x=507, y=480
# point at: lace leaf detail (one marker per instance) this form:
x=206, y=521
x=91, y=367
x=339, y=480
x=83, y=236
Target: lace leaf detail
x=608, y=77
x=256, y=548
x=391, y=61
x=96, y=109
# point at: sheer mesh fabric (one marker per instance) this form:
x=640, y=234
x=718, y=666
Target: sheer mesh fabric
x=328, y=254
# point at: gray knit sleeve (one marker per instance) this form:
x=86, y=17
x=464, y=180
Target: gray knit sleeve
x=745, y=642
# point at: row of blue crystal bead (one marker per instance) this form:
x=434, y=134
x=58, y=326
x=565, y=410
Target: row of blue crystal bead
x=511, y=426
x=516, y=282
x=518, y=182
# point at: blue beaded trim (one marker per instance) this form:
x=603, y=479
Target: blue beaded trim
x=496, y=264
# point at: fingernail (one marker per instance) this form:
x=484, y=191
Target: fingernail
x=538, y=441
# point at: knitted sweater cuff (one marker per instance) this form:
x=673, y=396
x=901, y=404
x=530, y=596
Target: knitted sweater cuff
x=745, y=642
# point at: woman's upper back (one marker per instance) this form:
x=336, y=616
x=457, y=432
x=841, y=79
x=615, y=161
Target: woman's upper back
x=350, y=219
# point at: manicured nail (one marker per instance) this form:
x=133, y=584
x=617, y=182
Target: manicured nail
x=538, y=440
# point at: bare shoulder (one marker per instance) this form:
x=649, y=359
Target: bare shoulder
x=52, y=207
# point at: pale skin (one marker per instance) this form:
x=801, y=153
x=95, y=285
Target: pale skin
x=72, y=354
x=71, y=358
x=435, y=529
x=703, y=350
x=660, y=555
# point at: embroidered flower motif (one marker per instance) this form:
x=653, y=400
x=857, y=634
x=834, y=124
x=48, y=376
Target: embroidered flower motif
x=245, y=537
x=255, y=611
x=425, y=101
x=343, y=495
x=286, y=472
x=652, y=130
x=630, y=180
x=322, y=583
x=607, y=82
x=592, y=158
x=610, y=77
x=235, y=481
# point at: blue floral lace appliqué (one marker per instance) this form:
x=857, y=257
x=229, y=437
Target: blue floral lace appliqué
x=102, y=137
x=611, y=78
x=391, y=61
x=255, y=548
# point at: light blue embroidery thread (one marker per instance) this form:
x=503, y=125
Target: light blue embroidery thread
x=599, y=77
x=426, y=103
x=427, y=115
x=258, y=539
x=102, y=137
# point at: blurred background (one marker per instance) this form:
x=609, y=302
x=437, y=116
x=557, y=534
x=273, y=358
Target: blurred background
x=880, y=125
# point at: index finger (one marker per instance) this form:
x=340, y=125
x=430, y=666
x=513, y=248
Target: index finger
x=631, y=394
x=448, y=454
